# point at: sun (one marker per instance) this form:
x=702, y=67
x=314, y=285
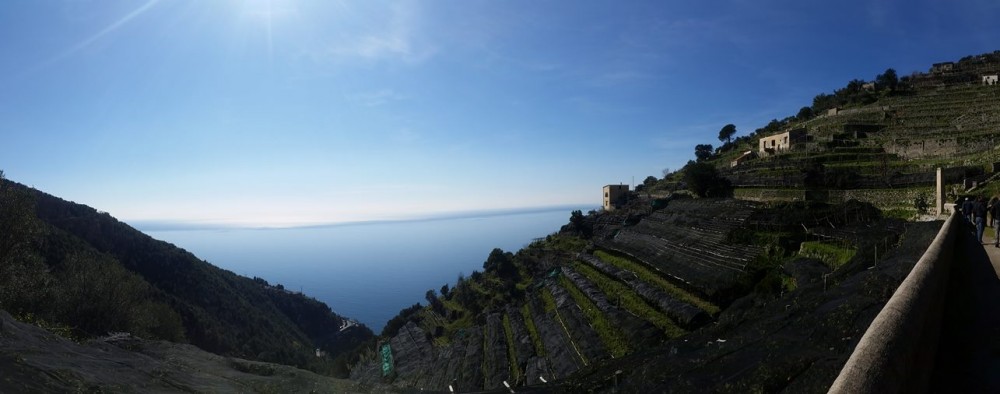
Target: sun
x=267, y=13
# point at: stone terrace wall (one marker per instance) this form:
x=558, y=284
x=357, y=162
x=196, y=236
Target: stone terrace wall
x=770, y=195
x=883, y=198
x=880, y=198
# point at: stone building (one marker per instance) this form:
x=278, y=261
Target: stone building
x=990, y=79
x=615, y=196
x=781, y=142
x=938, y=68
x=743, y=158
x=861, y=130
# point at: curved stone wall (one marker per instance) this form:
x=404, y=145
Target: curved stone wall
x=898, y=349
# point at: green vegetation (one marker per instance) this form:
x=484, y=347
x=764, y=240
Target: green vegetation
x=772, y=281
x=548, y=300
x=532, y=330
x=579, y=225
x=515, y=370
x=704, y=180
x=832, y=255
x=562, y=242
x=727, y=132
x=503, y=280
x=611, y=336
x=629, y=300
x=69, y=266
x=789, y=283
x=703, y=152
x=650, y=277
x=898, y=213
x=398, y=321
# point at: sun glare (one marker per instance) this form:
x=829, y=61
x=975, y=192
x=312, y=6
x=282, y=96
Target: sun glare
x=266, y=14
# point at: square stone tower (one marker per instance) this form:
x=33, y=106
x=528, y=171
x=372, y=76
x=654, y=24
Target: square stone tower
x=615, y=196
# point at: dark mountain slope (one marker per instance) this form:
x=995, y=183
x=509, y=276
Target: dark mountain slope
x=36, y=361
x=73, y=245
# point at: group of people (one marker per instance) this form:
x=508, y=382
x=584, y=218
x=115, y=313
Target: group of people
x=975, y=210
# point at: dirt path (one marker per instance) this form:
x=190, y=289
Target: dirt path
x=993, y=252
x=969, y=349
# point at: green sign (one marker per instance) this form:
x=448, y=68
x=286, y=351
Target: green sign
x=386, y=360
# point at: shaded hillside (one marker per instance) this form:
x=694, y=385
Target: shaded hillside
x=796, y=342
x=565, y=306
x=85, y=274
x=35, y=360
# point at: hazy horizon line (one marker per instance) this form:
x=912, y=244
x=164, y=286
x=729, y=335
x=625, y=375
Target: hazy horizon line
x=155, y=225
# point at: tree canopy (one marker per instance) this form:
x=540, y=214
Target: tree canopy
x=704, y=180
x=727, y=132
x=887, y=80
x=703, y=151
x=804, y=113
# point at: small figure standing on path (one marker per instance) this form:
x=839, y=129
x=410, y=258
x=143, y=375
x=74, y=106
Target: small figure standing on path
x=967, y=209
x=995, y=213
x=979, y=211
x=989, y=208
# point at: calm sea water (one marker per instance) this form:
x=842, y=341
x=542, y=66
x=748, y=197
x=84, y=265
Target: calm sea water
x=367, y=272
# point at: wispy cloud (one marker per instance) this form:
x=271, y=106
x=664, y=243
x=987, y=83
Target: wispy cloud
x=394, y=39
x=376, y=98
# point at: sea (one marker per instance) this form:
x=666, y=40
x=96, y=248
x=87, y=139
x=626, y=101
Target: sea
x=367, y=272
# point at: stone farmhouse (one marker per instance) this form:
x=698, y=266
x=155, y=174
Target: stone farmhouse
x=743, y=158
x=781, y=142
x=615, y=196
x=990, y=79
x=938, y=68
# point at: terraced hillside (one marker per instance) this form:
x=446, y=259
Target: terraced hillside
x=564, y=305
x=579, y=304
x=687, y=242
x=895, y=141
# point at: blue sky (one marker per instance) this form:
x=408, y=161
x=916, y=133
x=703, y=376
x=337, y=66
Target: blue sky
x=288, y=112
